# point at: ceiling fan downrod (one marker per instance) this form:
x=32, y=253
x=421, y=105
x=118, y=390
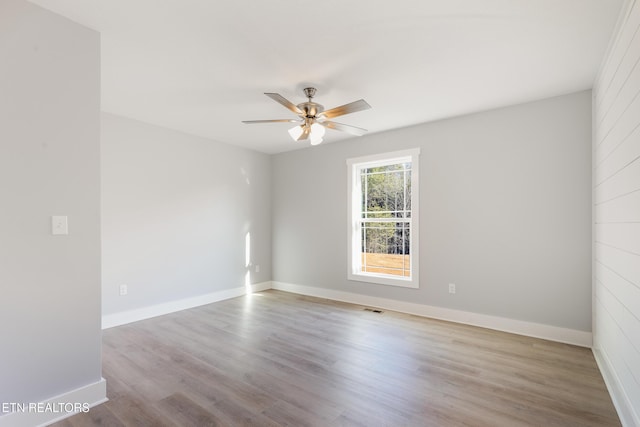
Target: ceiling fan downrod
x=310, y=109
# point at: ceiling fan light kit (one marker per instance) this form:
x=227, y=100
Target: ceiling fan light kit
x=313, y=119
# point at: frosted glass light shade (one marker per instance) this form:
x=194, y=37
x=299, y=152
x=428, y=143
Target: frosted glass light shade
x=315, y=140
x=317, y=130
x=295, y=132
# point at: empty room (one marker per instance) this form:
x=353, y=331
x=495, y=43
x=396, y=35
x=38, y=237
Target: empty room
x=286, y=213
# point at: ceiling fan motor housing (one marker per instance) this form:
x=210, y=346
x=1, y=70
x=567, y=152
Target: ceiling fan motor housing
x=310, y=109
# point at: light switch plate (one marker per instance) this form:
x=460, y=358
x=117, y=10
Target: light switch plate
x=59, y=225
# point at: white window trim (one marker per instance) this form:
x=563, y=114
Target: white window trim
x=353, y=203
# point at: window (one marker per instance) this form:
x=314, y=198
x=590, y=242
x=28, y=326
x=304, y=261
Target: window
x=383, y=218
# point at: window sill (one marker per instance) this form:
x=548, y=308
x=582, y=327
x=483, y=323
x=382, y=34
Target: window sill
x=385, y=280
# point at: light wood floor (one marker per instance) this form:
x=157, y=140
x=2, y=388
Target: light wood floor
x=276, y=359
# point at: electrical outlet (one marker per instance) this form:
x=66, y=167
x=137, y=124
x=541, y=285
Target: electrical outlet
x=452, y=288
x=59, y=225
x=123, y=290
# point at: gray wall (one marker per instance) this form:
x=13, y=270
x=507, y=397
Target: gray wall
x=505, y=212
x=176, y=209
x=49, y=165
x=616, y=195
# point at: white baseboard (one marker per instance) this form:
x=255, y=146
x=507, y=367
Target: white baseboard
x=52, y=410
x=259, y=287
x=624, y=406
x=537, y=330
x=124, y=317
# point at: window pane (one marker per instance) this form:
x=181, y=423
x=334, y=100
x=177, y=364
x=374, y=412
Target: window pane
x=385, y=191
x=385, y=248
x=408, y=191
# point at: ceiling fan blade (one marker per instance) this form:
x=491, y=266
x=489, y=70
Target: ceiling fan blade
x=352, y=107
x=250, y=122
x=284, y=101
x=344, y=128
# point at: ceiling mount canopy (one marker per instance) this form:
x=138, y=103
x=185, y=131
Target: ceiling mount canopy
x=313, y=118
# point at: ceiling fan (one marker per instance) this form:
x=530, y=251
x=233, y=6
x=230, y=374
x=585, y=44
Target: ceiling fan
x=313, y=118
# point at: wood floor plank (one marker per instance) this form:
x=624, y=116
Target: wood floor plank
x=100, y=415
x=137, y=413
x=280, y=359
x=183, y=411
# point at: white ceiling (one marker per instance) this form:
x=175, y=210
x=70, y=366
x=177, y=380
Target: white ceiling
x=201, y=66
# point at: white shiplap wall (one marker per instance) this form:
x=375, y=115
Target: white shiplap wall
x=616, y=197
